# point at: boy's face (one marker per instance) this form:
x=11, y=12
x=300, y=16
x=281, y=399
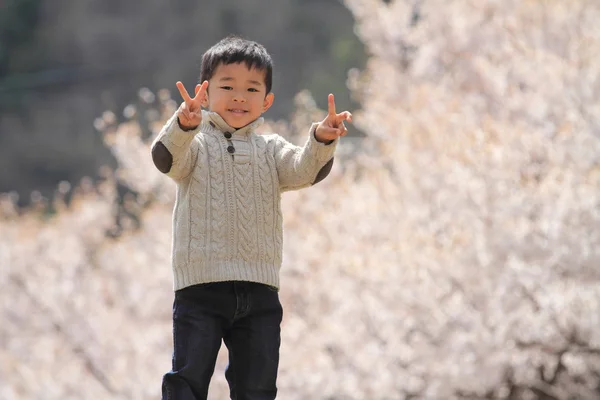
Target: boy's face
x=237, y=94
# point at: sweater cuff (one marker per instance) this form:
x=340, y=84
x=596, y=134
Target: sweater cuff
x=321, y=151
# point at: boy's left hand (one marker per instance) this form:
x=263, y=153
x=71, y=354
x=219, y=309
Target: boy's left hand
x=332, y=127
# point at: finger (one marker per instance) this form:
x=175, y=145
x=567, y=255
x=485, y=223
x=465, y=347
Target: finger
x=204, y=86
x=344, y=116
x=331, y=105
x=184, y=94
x=184, y=107
x=201, y=91
x=185, y=118
x=196, y=100
x=184, y=110
x=343, y=130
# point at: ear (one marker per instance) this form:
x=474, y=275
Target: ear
x=268, y=102
x=204, y=101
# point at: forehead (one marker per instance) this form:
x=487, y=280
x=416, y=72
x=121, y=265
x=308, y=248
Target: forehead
x=238, y=72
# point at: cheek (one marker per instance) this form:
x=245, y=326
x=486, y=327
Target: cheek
x=217, y=101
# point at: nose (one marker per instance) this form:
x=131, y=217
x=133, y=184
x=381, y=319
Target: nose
x=239, y=97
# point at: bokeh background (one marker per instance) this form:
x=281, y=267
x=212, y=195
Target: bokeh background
x=453, y=252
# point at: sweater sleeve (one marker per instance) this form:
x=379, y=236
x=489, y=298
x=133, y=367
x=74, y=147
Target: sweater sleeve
x=299, y=167
x=174, y=151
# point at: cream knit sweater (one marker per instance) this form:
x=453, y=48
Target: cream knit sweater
x=227, y=222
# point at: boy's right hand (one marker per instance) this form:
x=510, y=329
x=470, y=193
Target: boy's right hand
x=189, y=113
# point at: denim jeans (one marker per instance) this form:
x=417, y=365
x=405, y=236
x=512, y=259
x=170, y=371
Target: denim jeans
x=246, y=316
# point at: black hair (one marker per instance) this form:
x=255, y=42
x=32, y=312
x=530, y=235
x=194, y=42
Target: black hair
x=234, y=49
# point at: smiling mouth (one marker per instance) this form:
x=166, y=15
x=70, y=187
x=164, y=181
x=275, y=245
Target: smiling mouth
x=237, y=111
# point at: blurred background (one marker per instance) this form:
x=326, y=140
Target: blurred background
x=457, y=234
x=63, y=64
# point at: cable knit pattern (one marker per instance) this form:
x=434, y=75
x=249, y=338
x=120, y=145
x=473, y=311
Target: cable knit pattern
x=246, y=213
x=198, y=226
x=227, y=220
x=267, y=197
x=217, y=209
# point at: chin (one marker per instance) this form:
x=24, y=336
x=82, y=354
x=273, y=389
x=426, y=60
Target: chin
x=238, y=124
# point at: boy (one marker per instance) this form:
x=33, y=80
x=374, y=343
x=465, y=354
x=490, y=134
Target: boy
x=227, y=223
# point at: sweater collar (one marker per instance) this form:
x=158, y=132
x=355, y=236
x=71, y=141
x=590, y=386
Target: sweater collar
x=212, y=120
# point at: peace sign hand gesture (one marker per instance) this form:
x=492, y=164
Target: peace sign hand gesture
x=190, y=111
x=332, y=126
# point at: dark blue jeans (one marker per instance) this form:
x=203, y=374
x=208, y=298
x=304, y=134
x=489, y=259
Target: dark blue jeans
x=247, y=317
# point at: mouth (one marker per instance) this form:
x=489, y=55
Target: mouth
x=237, y=111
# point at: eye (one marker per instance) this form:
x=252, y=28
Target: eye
x=253, y=90
x=226, y=87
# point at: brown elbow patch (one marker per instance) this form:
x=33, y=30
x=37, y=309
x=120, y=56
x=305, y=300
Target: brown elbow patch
x=162, y=157
x=323, y=172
